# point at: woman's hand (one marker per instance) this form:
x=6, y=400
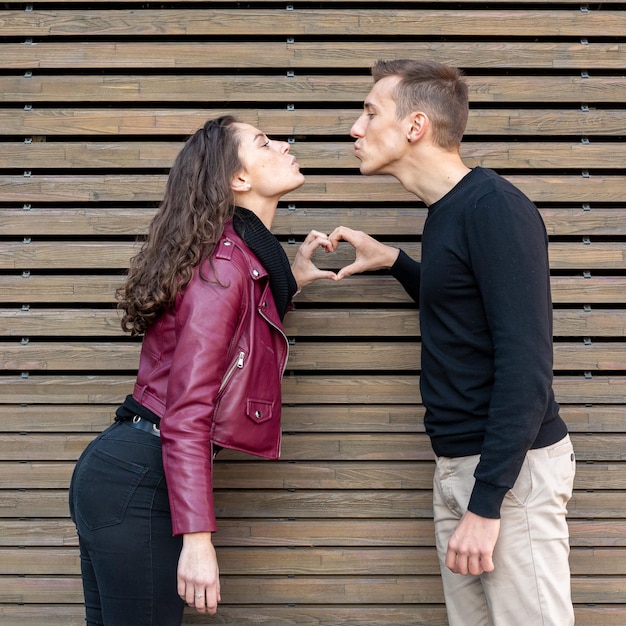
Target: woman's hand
x=304, y=270
x=198, y=573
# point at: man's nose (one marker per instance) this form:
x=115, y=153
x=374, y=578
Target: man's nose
x=356, y=131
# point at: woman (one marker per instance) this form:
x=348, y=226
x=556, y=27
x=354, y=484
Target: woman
x=208, y=289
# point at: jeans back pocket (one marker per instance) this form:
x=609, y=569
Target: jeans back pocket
x=102, y=487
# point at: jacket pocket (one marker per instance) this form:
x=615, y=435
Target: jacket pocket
x=102, y=487
x=259, y=411
x=237, y=364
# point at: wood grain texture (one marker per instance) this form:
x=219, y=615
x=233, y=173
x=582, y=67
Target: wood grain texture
x=96, y=100
x=313, y=22
x=303, y=54
x=208, y=92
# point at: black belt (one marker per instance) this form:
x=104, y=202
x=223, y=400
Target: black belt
x=141, y=423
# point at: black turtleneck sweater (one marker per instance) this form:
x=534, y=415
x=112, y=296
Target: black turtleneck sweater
x=271, y=254
x=483, y=288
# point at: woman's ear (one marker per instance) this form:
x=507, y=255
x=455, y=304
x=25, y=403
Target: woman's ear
x=239, y=183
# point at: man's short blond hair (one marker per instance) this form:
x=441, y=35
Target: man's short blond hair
x=438, y=90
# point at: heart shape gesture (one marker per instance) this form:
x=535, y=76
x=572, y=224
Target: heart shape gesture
x=370, y=253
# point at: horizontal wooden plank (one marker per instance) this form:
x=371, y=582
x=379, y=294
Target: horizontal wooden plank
x=33, y=322
x=57, y=418
x=593, y=418
x=336, y=615
x=299, y=590
x=301, y=418
x=298, y=21
x=254, y=561
x=355, y=473
x=280, y=561
x=345, y=188
x=266, y=590
x=61, y=322
x=50, y=503
x=590, y=356
x=203, y=89
x=311, y=154
x=594, y=590
x=277, y=561
x=261, y=532
x=330, y=188
x=306, y=533
x=311, y=504
x=591, y=474
x=27, y=533
x=35, y=356
x=295, y=447
x=589, y=323
x=533, y=122
x=396, y=389
x=30, y=289
x=292, y=220
x=362, y=322
x=230, y=474
x=341, y=2
x=309, y=53
x=319, y=447
x=585, y=220
x=31, y=254
x=404, y=389
x=66, y=254
x=590, y=289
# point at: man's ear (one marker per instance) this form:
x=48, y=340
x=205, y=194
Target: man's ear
x=419, y=123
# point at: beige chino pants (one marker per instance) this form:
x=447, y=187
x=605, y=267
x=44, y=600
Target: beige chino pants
x=530, y=585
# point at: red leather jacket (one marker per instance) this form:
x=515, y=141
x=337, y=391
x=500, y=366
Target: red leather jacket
x=211, y=368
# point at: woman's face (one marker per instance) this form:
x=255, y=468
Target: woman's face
x=268, y=168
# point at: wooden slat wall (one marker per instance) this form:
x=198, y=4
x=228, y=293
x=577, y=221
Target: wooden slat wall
x=95, y=101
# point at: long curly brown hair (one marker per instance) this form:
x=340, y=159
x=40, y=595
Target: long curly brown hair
x=198, y=201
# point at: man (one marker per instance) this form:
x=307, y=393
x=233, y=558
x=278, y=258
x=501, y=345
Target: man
x=505, y=464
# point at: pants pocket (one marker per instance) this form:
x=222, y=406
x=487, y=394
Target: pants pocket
x=521, y=490
x=102, y=487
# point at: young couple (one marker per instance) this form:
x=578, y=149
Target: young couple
x=209, y=290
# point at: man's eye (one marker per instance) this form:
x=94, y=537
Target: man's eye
x=266, y=144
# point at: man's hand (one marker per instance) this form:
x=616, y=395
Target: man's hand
x=198, y=574
x=304, y=270
x=370, y=254
x=470, y=549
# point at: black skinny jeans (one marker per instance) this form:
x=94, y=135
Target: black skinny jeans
x=118, y=501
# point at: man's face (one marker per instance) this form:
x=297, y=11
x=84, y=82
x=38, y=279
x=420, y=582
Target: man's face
x=381, y=139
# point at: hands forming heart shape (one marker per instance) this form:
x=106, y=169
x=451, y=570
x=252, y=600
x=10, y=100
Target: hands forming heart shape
x=370, y=255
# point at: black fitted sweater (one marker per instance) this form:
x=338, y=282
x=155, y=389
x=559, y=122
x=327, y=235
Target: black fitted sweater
x=483, y=288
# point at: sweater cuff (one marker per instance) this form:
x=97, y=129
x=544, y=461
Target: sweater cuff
x=486, y=500
x=404, y=266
